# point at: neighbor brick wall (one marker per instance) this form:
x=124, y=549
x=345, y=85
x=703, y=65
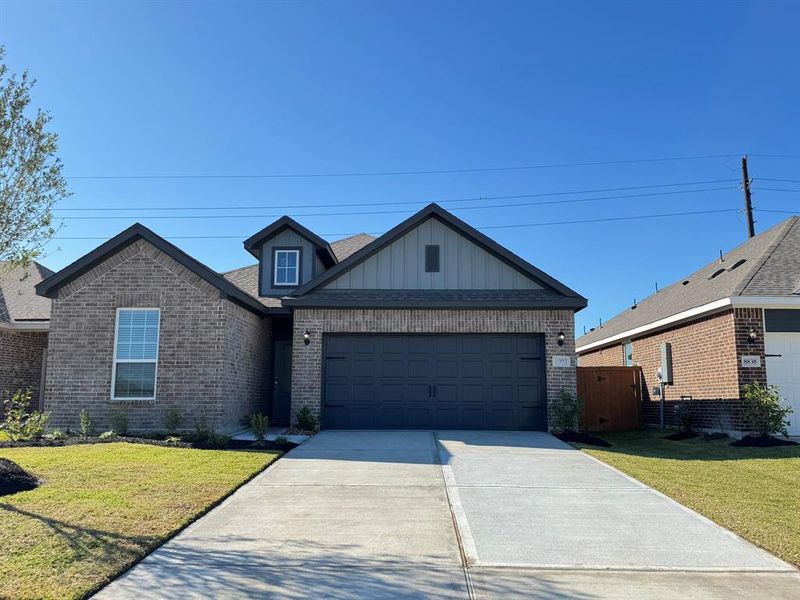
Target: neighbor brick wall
x=307, y=360
x=706, y=358
x=195, y=344
x=21, y=354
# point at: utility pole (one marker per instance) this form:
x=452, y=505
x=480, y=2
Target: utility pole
x=748, y=205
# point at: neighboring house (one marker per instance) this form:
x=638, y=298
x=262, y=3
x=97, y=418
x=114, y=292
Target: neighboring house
x=24, y=321
x=431, y=325
x=733, y=322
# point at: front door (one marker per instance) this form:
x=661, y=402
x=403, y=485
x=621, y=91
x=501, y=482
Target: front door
x=282, y=384
x=783, y=370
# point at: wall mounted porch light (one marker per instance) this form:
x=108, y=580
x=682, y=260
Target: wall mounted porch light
x=561, y=338
x=306, y=337
x=752, y=336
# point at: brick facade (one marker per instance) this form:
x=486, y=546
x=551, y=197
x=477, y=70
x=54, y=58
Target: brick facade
x=209, y=348
x=706, y=359
x=307, y=360
x=21, y=361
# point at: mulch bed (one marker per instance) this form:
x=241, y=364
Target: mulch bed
x=153, y=441
x=762, y=441
x=681, y=435
x=581, y=438
x=14, y=478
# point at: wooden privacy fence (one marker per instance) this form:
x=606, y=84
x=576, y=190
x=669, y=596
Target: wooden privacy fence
x=612, y=397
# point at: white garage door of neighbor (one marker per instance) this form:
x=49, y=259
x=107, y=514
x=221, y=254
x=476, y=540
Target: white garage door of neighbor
x=783, y=370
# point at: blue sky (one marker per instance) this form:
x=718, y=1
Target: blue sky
x=339, y=87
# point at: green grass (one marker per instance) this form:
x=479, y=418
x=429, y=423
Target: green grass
x=102, y=508
x=752, y=491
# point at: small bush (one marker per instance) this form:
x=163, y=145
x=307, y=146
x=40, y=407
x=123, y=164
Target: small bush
x=119, y=422
x=172, y=421
x=281, y=440
x=85, y=429
x=214, y=441
x=56, y=435
x=108, y=435
x=202, y=428
x=173, y=440
x=566, y=413
x=683, y=412
x=305, y=420
x=764, y=411
x=259, y=424
x=20, y=424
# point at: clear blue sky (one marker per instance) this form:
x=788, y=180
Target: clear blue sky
x=329, y=87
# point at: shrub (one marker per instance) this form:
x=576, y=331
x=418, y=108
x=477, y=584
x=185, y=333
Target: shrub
x=172, y=421
x=764, y=411
x=56, y=435
x=119, y=422
x=173, y=440
x=85, y=428
x=566, y=412
x=305, y=420
x=202, y=428
x=259, y=424
x=683, y=412
x=281, y=440
x=214, y=441
x=108, y=435
x=20, y=424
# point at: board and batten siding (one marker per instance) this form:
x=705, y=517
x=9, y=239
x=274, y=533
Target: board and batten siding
x=463, y=265
x=310, y=263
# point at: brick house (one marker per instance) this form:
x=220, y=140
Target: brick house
x=24, y=321
x=733, y=322
x=431, y=325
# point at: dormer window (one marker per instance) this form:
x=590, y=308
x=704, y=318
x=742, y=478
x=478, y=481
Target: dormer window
x=286, y=267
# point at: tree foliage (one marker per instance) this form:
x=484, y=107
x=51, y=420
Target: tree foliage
x=31, y=182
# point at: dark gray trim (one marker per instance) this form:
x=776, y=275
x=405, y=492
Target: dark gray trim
x=328, y=302
x=781, y=320
x=254, y=242
x=434, y=210
x=50, y=286
x=275, y=249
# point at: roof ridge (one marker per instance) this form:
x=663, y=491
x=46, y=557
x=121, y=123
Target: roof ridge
x=355, y=235
x=787, y=225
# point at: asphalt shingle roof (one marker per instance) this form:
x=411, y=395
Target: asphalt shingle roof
x=765, y=265
x=18, y=299
x=350, y=245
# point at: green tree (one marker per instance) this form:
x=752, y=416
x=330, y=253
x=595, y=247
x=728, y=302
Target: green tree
x=31, y=181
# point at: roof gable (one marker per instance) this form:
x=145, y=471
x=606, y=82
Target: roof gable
x=254, y=242
x=50, y=286
x=480, y=240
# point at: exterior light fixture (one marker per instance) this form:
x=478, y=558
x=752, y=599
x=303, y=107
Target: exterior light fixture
x=752, y=335
x=561, y=338
x=306, y=337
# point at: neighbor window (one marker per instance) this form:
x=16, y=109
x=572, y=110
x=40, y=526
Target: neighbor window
x=431, y=259
x=136, y=354
x=627, y=350
x=286, y=267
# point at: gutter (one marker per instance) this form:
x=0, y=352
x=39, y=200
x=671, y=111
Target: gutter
x=25, y=326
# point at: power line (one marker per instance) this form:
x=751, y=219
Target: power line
x=770, y=210
x=513, y=226
x=768, y=189
x=399, y=203
x=776, y=155
x=396, y=173
x=388, y=212
x=781, y=180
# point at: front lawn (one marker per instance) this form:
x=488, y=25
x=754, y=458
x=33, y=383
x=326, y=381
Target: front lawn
x=752, y=491
x=102, y=508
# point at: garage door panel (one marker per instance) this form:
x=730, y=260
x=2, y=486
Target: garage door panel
x=783, y=370
x=441, y=381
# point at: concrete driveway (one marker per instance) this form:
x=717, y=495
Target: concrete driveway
x=401, y=514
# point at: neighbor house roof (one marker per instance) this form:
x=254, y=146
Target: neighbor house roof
x=350, y=245
x=49, y=287
x=254, y=242
x=18, y=300
x=570, y=298
x=766, y=265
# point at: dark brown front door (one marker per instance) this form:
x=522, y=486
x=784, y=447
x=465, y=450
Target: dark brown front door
x=282, y=384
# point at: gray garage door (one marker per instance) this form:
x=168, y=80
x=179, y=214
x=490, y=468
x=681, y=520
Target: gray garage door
x=478, y=381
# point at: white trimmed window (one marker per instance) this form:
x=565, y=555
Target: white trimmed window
x=135, y=354
x=286, y=267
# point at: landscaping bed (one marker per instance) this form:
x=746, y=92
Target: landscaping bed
x=103, y=507
x=752, y=491
x=762, y=441
x=213, y=442
x=575, y=437
x=14, y=478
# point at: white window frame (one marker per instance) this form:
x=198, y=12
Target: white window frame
x=275, y=253
x=134, y=360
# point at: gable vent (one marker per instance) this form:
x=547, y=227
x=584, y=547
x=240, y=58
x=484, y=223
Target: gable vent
x=716, y=273
x=432, y=259
x=738, y=263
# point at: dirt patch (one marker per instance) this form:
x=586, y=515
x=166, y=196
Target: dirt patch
x=14, y=478
x=762, y=441
x=582, y=438
x=681, y=435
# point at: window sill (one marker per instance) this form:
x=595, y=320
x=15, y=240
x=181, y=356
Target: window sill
x=133, y=400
